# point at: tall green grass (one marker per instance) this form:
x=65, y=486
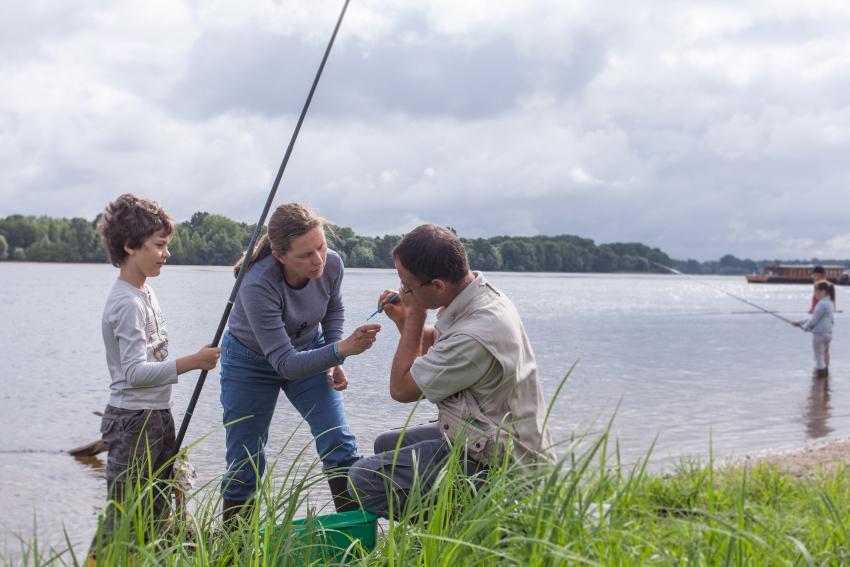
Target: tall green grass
x=582, y=510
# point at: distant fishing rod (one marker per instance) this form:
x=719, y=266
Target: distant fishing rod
x=184, y=425
x=732, y=295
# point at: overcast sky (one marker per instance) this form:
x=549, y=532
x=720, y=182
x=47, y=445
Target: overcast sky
x=703, y=128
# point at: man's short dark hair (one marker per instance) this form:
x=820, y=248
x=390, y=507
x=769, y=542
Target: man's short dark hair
x=818, y=270
x=432, y=252
x=129, y=221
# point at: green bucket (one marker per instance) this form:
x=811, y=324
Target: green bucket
x=329, y=538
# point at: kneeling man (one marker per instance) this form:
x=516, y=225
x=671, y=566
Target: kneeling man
x=475, y=364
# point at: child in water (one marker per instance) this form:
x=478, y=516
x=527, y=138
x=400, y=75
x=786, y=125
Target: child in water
x=820, y=325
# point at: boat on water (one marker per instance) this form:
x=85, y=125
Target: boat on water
x=798, y=274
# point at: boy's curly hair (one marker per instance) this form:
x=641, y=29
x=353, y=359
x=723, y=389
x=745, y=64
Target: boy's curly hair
x=129, y=221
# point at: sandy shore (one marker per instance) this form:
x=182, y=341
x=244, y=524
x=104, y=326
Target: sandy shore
x=806, y=461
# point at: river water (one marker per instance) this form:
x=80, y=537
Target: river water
x=680, y=363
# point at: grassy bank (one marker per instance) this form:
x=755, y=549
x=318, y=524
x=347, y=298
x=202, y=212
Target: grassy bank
x=582, y=510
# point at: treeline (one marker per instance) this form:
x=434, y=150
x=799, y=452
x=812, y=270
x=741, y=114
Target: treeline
x=563, y=253
x=210, y=239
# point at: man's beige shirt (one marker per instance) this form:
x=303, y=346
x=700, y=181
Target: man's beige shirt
x=482, y=374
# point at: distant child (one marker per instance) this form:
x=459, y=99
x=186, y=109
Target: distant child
x=137, y=425
x=818, y=275
x=820, y=325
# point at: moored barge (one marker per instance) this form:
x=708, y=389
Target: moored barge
x=798, y=274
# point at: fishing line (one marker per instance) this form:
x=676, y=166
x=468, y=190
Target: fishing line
x=718, y=313
x=732, y=295
x=184, y=425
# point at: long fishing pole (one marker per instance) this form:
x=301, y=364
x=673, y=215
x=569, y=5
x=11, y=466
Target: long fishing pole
x=184, y=425
x=732, y=295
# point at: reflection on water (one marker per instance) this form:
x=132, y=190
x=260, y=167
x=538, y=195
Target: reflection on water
x=673, y=357
x=818, y=409
x=96, y=464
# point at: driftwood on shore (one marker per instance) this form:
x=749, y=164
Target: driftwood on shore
x=90, y=449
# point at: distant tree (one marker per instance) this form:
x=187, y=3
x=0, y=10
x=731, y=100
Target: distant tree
x=176, y=246
x=574, y=258
x=19, y=255
x=483, y=255
x=655, y=257
x=690, y=266
x=549, y=256
x=518, y=256
x=604, y=259
x=20, y=231
x=4, y=248
x=729, y=261
x=383, y=250
x=361, y=256
x=337, y=236
x=731, y=265
x=630, y=263
x=46, y=251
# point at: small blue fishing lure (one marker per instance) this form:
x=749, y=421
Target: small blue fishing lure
x=393, y=298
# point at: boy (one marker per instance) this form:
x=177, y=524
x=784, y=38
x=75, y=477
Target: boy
x=137, y=423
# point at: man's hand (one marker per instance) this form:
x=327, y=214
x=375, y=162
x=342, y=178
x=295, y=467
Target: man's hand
x=337, y=378
x=395, y=311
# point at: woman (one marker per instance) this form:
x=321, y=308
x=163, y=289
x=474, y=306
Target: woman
x=285, y=333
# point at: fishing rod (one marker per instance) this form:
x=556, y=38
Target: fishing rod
x=732, y=295
x=184, y=425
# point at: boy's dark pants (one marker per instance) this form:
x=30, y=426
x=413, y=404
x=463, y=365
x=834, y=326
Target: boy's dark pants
x=140, y=443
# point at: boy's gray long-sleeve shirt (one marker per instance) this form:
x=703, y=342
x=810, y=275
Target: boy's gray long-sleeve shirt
x=821, y=321
x=279, y=321
x=136, y=342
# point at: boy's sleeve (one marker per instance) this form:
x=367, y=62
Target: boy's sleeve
x=129, y=329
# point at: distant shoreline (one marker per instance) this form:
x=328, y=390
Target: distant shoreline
x=216, y=240
x=512, y=272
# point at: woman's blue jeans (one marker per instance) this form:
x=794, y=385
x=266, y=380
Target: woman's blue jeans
x=249, y=391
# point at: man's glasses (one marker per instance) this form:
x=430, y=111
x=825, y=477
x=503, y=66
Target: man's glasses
x=404, y=288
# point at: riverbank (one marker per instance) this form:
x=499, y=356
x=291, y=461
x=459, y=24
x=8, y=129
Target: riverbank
x=808, y=461
x=584, y=509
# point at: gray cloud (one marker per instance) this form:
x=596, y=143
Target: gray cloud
x=412, y=72
x=701, y=129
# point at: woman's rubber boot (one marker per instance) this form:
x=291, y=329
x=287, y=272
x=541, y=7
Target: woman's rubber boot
x=232, y=510
x=339, y=491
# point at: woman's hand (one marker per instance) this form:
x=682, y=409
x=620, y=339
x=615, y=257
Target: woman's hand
x=337, y=378
x=360, y=340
